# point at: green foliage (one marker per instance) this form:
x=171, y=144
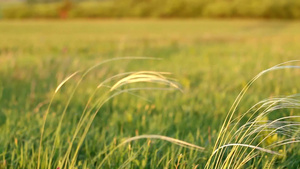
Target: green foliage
x=92, y=10
x=286, y=9
x=212, y=64
x=32, y=11
x=17, y=11
x=2, y=119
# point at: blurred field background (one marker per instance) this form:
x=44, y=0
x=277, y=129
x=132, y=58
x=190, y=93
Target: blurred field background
x=212, y=58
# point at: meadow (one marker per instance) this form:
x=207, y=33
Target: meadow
x=211, y=61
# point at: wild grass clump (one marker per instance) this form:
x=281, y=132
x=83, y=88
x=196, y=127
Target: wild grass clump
x=94, y=104
x=236, y=145
x=253, y=136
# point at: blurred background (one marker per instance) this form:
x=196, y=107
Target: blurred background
x=284, y=9
x=212, y=47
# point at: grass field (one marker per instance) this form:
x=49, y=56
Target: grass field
x=211, y=59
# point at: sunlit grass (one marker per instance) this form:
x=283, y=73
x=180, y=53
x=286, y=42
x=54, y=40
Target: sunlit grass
x=163, y=123
x=244, y=144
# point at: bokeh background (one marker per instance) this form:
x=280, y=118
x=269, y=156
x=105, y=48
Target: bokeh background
x=284, y=9
x=212, y=47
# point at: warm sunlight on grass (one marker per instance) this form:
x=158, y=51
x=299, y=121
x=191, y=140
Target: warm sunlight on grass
x=149, y=94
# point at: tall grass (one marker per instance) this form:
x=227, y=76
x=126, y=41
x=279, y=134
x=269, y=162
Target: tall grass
x=242, y=138
x=88, y=115
x=232, y=146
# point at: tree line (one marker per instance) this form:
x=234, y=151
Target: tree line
x=283, y=9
